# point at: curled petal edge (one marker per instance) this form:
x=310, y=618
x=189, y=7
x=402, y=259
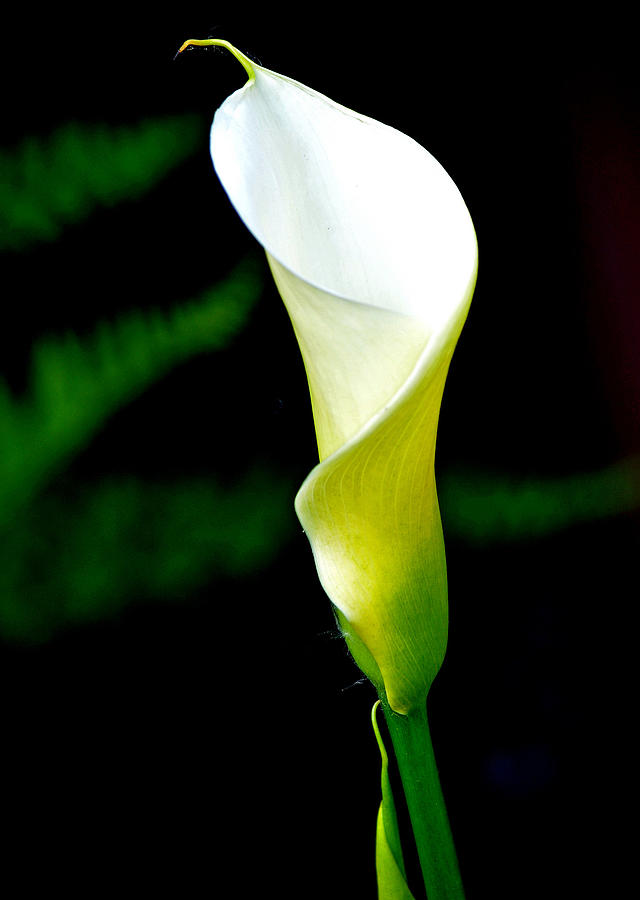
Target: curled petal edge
x=382, y=563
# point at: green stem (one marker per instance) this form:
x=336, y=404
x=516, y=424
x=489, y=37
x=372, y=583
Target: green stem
x=417, y=765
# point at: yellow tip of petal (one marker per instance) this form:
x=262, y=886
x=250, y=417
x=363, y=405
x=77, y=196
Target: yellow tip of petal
x=218, y=42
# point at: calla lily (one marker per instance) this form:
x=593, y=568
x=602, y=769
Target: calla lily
x=374, y=254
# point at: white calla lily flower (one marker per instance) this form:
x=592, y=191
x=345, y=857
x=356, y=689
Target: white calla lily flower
x=374, y=253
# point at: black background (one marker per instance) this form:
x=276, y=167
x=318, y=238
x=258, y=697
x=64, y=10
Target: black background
x=226, y=741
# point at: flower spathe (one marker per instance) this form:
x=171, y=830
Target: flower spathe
x=374, y=254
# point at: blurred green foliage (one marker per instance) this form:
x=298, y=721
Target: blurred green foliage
x=73, y=552
x=79, y=554
x=47, y=184
x=76, y=384
x=486, y=508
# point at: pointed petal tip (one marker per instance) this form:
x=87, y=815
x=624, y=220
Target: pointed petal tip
x=219, y=42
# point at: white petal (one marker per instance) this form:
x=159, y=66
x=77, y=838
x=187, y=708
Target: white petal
x=344, y=202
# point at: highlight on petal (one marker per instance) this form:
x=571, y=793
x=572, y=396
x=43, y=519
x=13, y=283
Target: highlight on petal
x=374, y=254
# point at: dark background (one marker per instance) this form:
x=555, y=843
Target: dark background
x=224, y=738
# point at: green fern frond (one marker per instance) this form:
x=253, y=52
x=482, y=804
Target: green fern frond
x=481, y=508
x=84, y=554
x=77, y=383
x=49, y=183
